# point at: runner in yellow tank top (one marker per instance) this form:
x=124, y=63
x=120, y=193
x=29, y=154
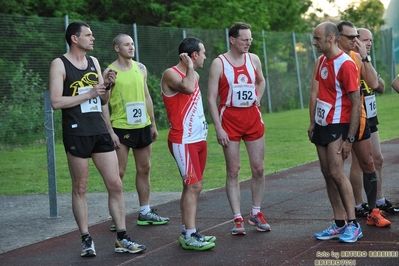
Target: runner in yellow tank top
x=128, y=99
x=132, y=123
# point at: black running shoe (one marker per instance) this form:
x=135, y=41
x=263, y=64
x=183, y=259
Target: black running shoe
x=363, y=211
x=88, y=249
x=388, y=208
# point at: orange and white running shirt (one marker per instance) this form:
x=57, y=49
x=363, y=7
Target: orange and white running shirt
x=237, y=84
x=186, y=115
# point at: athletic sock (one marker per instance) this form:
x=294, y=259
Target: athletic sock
x=189, y=232
x=145, y=209
x=380, y=202
x=370, y=187
x=121, y=234
x=255, y=210
x=183, y=228
x=238, y=215
x=358, y=207
x=354, y=222
x=339, y=223
x=84, y=235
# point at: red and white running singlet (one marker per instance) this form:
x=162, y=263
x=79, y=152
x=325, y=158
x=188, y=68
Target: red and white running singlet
x=337, y=77
x=186, y=115
x=237, y=85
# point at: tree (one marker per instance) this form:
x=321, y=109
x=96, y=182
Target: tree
x=365, y=14
x=273, y=15
x=278, y=15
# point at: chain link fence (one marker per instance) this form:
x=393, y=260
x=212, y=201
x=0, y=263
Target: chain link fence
x=29, y=44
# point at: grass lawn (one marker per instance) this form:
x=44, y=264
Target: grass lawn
x=24, y=170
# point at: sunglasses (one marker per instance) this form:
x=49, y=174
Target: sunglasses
x=350, y=37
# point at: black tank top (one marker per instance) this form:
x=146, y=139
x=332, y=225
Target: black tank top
x=84, y=119
x=367, y=91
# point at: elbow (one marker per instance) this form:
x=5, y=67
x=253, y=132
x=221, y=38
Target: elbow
x=55, y=106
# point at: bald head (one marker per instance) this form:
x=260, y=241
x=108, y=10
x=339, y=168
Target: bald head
x=118, y=39
x=366, y=37
x=327, y=28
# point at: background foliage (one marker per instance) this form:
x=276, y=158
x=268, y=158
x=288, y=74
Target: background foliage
x=32, y=34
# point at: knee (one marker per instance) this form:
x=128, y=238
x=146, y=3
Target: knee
x=232, y=172
x=79, y=187
x=143, y=169
x=114, y=186
x=195, y=187
x=258, y=171
x=121, y=173
x=378, y=160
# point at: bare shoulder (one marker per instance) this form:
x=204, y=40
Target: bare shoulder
x=254, y=57
x=141, y=66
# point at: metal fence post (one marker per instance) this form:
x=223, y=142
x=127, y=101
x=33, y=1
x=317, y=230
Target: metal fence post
x=136, y=43
x=298, y=74
x=66, y=23
x=269, y=102
x=227, y=39
x=52, y=180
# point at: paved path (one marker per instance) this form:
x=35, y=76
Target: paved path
x=295, y=202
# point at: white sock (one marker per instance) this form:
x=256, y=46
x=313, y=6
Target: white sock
x=358, y=207
x=189, y=232
x=238, y=215
x=183, y=228
x=255, y=210
x=380, y=202
x=145, y=209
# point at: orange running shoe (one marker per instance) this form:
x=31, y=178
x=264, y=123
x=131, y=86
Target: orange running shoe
x=375, y=218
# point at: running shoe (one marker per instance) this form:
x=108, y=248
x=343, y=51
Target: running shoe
x=375, y=218
x=259, y=221
x=388, y=208
x=351, y=234
x=112, y=228
x=126, y=245
x=238, y=228
x=203, y=238
x=363, y=211
x=330, y=233
x=194, y=242
x=88, y=249
x=151, y=218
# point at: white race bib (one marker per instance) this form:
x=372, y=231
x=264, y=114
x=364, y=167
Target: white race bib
x=322, y=110
x=371, y=106
x=92, y=105
x=136, y=113
x=243, y=95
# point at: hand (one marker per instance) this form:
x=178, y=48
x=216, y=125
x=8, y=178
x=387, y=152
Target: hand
x=154, y=133
x=360, y=48
x=345, y=149
x=186, y=60
x=310, y=131
x=110, y=77
x=115, y=138
x=223, y=138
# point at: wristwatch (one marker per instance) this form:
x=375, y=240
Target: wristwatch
x=367, y=59
x=351, y=139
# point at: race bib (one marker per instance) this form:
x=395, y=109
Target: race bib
x=92, y=105
x=243, y=95
x=136, y=113
x=322, y=110
x=371, y=106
